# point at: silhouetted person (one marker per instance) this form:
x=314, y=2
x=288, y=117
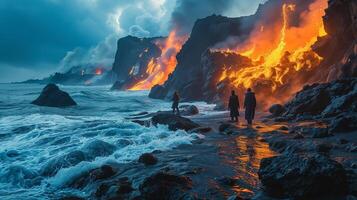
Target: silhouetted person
x=233, y=106
x=175, y=103
x=249, y=105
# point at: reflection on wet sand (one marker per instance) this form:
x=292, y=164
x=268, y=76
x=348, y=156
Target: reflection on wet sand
x=245, y=155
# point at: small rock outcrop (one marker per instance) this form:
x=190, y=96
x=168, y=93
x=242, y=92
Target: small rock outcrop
x=148, y=159
x=163, y=185
x=174, y=122
x=277, y=110
x=52, y=96
x=188, y=110
x=302, y=176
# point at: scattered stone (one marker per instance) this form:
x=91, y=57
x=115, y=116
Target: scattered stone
x=227, y=128
x=148, y=159
x=52, y=96
x=104, y=172
x=164, y=185
x=101, y=190
x=201, y=130
x=277, y=110
x=174, y=122
x=188, y=110
x=302, y=176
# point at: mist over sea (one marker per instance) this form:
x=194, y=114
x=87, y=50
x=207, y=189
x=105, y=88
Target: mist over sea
x=42, y=149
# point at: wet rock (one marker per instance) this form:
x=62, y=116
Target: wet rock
x=227, y=128
x=320, y=133
x=302, y=176
x=174, y=122
x=101, y=190
x=235, y=197
x=104, y=172
x=188, y=110
x=201, y=130
x=311, y=100
x=148, y=159
x=52, y=96
x=277, y=110
x=163, y=185
x=344, y=123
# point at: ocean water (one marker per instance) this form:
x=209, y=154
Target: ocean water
x=43, y=148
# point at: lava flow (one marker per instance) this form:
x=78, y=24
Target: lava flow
x=278, y=49
x=159, y=69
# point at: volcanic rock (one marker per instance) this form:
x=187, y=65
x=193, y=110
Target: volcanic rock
x=148, y=159
x=163, y=185
x=227, y=128
x=173, y=121
x=188, y=110
x=277, y=110
x=344, y=123
x=132, y=58
x=302, y=176
x=52, y=96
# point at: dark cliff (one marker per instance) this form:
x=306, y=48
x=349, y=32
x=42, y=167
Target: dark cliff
x=131, y=59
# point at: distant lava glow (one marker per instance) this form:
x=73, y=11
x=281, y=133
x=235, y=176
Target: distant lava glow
x=98, y=71
x=159, y=69
x=277, y=49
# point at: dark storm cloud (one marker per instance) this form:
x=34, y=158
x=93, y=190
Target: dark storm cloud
x=38, y=36
x=40, y=31
x=187, y=11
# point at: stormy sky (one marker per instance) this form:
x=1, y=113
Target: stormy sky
x=39, y=37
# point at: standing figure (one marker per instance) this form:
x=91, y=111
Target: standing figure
x=175, y=103
x=249, y=105
x=233, y=106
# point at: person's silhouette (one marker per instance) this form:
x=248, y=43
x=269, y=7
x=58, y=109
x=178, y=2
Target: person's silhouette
x=175, y=103
x=249, y=105
x=233, y=106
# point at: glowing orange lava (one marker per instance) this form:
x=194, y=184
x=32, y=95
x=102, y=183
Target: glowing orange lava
x=270, y=47
x=159, y=69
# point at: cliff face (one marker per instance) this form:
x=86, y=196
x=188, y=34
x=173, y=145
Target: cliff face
x=338, y=49
x=197, y=68
x=132, y=58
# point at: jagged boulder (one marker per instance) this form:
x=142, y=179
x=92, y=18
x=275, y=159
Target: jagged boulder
x=163, y=185
x=277, y=110
x=302, y=176
x=188, y=110
x=343, y=123
x=173, y=121
x=148, y=159
x=52, y=96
